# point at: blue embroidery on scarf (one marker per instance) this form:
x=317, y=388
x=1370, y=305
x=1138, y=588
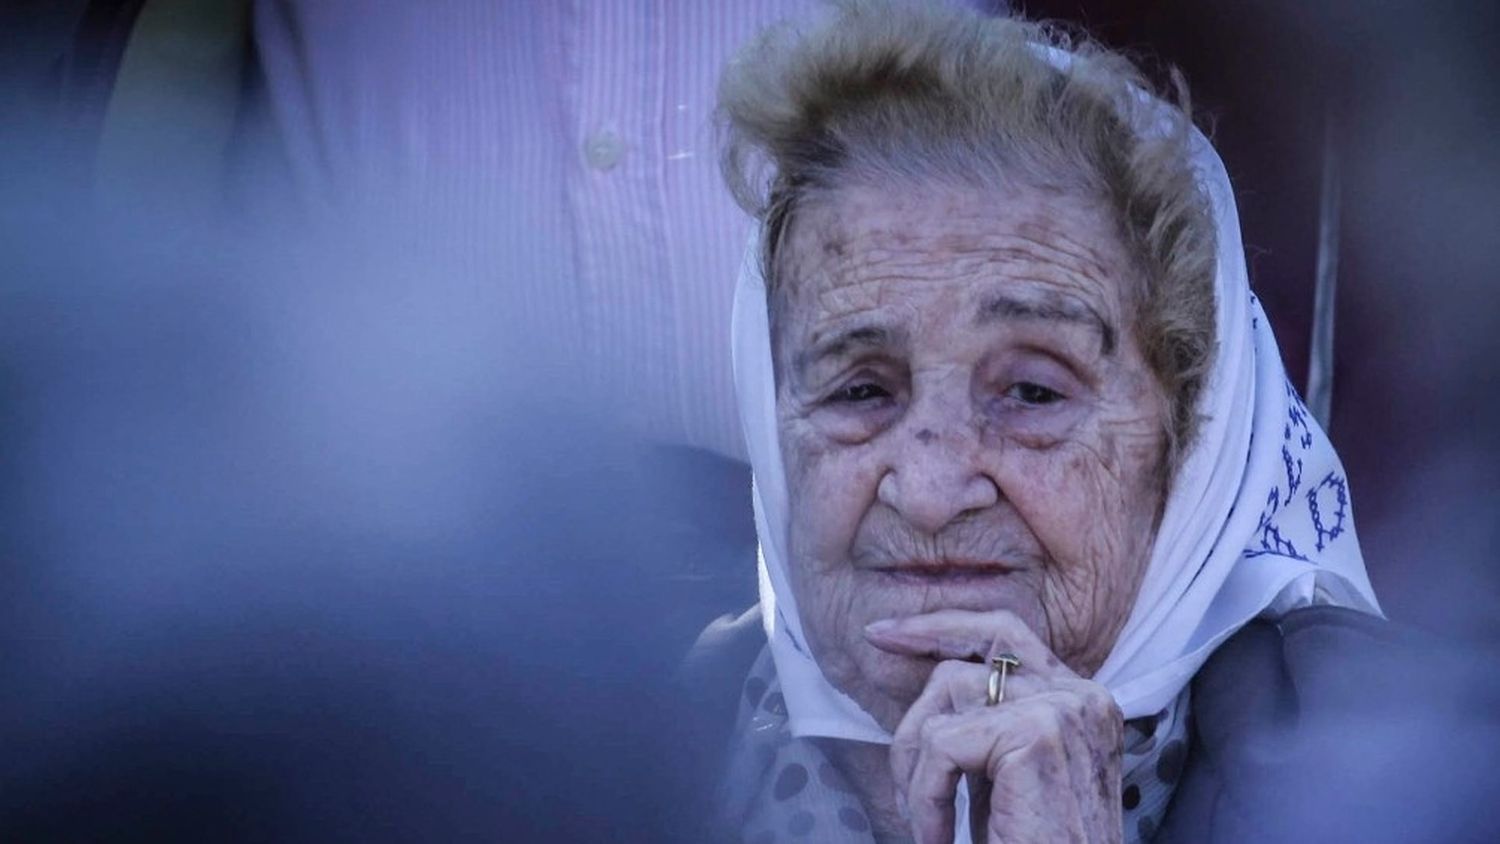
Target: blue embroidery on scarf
x=1341, y=508
x=1296, y=422
x=1271, y=540
x=1296, y=412
x=1293, y=473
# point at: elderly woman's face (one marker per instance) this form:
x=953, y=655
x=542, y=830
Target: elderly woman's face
x=967, y=422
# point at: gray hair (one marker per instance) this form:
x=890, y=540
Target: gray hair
x=895, y=91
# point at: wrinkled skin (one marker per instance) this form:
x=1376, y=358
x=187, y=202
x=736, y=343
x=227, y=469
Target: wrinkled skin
x=973, y=445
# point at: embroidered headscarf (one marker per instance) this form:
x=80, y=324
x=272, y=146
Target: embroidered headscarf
x=1257, y=520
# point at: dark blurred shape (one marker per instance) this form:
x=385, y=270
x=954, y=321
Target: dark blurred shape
x=1331, y=725
x=304, y=545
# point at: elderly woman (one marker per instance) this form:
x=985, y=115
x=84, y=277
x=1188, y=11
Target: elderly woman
x=1024, y=452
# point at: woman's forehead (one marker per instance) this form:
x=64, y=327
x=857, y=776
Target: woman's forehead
x=954, y=254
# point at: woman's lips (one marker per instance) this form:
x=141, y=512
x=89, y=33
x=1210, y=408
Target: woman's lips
x=947, y=572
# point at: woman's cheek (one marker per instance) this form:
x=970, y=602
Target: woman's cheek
x=853, y=425
x=1073, y=505
x=1079, y=507
x=828, y=486
x=1047, y=488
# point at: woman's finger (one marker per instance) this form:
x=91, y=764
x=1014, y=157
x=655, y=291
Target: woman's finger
x=937, y=699
x=965, y=635
x=929, y=789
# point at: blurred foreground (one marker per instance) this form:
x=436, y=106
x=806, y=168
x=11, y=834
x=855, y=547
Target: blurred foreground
x=309, y=544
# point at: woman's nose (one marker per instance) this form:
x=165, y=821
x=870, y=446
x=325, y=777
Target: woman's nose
x=934, y=479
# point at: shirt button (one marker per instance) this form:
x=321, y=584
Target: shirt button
x=603, y=150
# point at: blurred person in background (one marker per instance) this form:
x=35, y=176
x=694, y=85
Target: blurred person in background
x=565, y=151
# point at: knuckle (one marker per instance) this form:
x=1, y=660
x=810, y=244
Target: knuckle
x=937, y=730
x=1099, y=709
x=1090, y=700
x=1048, y=743
x=1098, y=699
x=1049, y=721
x=929, y=729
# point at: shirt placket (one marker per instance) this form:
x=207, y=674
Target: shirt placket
x=614, y=196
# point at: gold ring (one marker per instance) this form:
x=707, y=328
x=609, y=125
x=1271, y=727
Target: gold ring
x=1000, y=666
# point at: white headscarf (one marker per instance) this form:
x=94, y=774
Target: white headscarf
x=1257, y=521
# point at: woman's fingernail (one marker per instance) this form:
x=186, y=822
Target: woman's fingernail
x=879, y=628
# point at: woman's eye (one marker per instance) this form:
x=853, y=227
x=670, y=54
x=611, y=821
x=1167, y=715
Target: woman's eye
x=862, y=392
x=1029, y=393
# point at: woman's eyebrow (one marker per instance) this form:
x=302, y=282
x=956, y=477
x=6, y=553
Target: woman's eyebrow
x=846, y=341
x=1047, y=306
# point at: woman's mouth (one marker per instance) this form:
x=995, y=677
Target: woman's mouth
x=944, y=572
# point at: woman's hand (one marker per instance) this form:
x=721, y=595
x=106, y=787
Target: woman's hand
x=1043, y=765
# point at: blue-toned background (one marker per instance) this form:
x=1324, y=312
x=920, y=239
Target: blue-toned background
x=314, y=527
